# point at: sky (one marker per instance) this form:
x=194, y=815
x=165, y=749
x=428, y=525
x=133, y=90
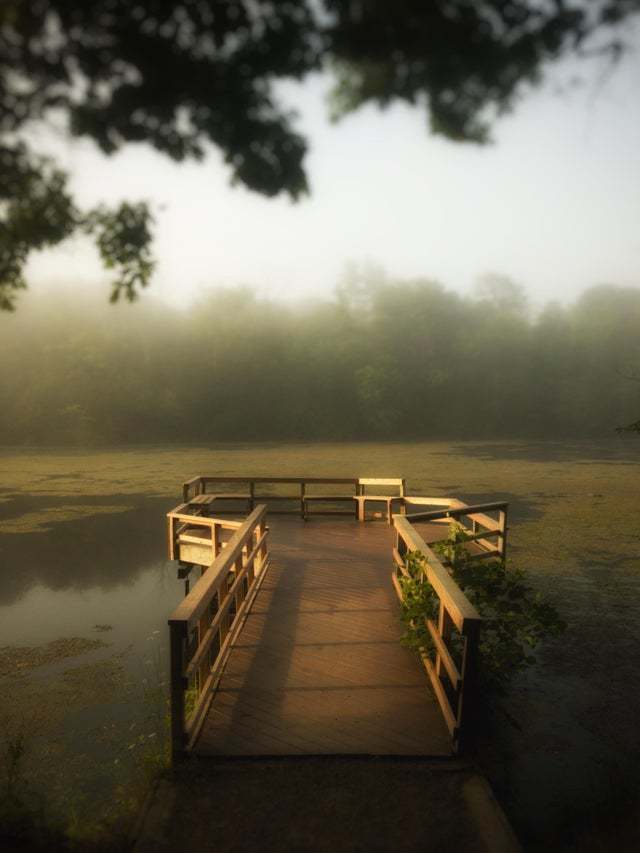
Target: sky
x=554, y=203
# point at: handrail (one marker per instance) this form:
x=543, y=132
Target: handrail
x=483, y=526
x=457, y=698
x=205, y=623
x=457, y=511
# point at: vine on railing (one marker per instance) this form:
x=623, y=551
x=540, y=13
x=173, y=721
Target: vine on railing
x=515, y=619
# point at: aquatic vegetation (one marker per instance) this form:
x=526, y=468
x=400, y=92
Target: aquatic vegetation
x=19, y=659
x=515, y=619
x=42, y=520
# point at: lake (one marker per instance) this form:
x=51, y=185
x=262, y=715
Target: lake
x=86, y=591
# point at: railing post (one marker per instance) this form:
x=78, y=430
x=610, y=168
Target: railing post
x=502, y=522
x=263, y=548
x=177, y=686
x=468, y=700
x=172, y=547
x=215, y=538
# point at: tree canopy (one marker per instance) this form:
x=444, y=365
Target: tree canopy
x=182, y=75
x=385, y=359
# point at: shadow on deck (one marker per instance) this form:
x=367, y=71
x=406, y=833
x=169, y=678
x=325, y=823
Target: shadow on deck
x=318, y=668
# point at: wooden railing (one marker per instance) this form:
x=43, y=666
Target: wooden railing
x=197, y=489
x=452, y=676
x=202, y=532
x=206, y=622
x=480, y=527
x=179, y=521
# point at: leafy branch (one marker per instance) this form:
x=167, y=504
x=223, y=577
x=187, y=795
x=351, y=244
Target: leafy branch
x=515, y=619
x=37, y=212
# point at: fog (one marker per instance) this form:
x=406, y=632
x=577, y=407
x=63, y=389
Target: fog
x=382, y=358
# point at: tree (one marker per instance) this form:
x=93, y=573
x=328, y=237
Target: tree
x=181, y=75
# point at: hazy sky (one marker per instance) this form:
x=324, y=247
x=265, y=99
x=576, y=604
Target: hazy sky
x=554, y=203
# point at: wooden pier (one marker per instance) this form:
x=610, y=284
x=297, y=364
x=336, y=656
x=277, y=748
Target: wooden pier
x=307, y=725
x=288, y=643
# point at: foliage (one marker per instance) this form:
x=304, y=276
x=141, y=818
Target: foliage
x=37, y=211
x=515, y=619
x=181, y=76
x=405, y=360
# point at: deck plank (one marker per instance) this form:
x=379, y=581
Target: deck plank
x=318, y=668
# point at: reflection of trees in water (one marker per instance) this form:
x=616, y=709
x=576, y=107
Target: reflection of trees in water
x=101, y=550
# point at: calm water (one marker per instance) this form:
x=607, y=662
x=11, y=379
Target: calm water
x=82, y=555
x=93, y=704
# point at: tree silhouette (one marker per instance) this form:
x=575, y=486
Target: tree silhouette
x=182, y=75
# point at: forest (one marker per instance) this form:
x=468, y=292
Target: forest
x=381, y=359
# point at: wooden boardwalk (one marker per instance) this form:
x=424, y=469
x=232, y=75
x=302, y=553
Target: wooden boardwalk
x=317, y=668
x=298, y=720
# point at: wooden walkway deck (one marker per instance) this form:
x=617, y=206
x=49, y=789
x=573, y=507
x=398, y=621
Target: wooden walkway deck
x=295, y=711
x=318, y=668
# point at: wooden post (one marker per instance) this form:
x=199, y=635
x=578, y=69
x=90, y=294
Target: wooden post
x=303, y=514
x=177, y=688
x=468, y=699
x=172, y=547
x=263, y=548
x=238, y=566
x=252, y=491
x=251, y=571
x=215, y=538
x=502, y=521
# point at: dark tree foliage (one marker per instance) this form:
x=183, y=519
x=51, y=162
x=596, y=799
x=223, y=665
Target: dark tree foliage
x=182, y=75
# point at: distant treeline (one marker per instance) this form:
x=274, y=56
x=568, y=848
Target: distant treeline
x=381, y=360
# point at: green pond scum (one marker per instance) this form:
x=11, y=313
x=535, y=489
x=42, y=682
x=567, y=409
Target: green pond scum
x=87, y=591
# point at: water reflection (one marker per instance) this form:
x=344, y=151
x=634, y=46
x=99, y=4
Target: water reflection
x=90, y=598
x=104, y=550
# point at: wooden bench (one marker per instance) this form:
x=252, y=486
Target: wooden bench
x=362, y=497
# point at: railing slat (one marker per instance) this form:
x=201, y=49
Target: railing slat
x=213, y=628
x=447, y=661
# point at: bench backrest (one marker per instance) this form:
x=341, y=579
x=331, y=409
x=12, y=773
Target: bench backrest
x=384, y=484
